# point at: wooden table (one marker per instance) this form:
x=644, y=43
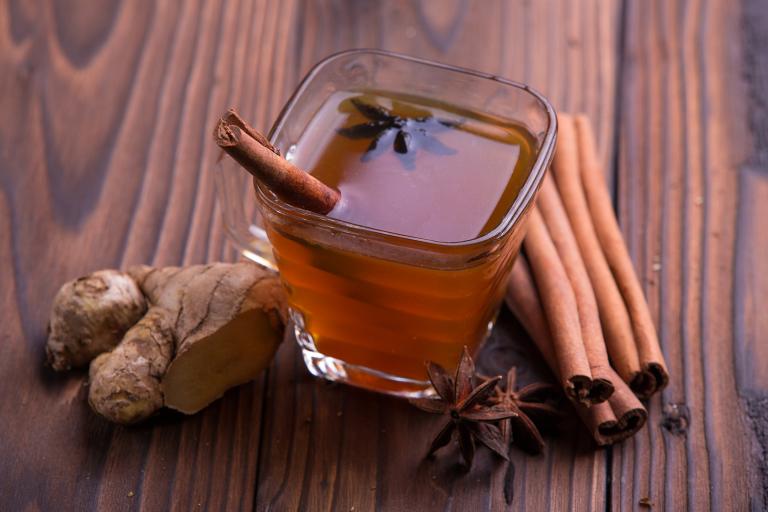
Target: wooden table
x=105, y=161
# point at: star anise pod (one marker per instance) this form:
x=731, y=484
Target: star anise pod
x=406, y=134
x=532, y=404
x=468, y=409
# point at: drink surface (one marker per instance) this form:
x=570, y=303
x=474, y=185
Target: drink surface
x=413, y=167
x=370, y=310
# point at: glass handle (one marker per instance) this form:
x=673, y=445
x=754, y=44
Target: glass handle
x=242, y=217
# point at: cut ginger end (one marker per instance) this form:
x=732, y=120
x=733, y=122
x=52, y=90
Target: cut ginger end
x=233, y=355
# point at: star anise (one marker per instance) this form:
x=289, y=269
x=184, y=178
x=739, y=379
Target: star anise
x=532, y=404
x=468, y=409
x=406, y=134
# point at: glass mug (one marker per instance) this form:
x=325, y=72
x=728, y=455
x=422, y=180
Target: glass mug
x=370, y=307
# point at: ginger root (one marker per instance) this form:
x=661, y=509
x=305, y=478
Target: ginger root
x=125, y=383
x=230, y=321
x=208, y=328
x=90, y=315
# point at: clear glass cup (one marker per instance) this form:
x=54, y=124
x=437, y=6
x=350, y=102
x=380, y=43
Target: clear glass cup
x=348, y=284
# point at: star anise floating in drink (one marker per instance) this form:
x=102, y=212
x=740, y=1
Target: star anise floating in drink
x=485, y=413
x=405, y=133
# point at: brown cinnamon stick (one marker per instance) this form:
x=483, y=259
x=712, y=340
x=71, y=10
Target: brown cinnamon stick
x=652, y=365
x=233, y=118
x=254, y=152
x=559, y=303
x=614, y=318
x=556, y=220
x=608, y=422
x=617, y=419
x=522, y=299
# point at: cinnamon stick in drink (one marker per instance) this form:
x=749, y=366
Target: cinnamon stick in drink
x=609, y=422
x=233, y=118
x=617, y=328
x=559, y=304
x=254, y=152
x=652, y=365
x=556, y=220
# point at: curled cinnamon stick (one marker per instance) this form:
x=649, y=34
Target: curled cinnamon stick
x=559, y=304
x=609, y=422
x=614, y=318
x=617, y=419
x=652, y=365
x=254, y=152
x=556, y=220
x=233, y=118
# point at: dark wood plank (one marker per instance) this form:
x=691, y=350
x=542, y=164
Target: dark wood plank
x=106, y=162
x=333, y=448
x=690, y=212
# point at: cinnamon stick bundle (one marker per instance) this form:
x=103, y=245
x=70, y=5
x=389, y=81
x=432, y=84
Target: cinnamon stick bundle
x=609, y=422
x=253, y=152
x=614, y=318
x=559, y=304
x=556, y=220
x=652, y=365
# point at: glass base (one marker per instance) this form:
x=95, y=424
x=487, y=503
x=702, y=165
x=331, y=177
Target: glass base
x=337, y=370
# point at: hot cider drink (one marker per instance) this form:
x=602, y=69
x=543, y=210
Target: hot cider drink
x=419, y=170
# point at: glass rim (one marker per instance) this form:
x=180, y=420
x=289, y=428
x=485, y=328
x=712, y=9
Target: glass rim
x=521, y=202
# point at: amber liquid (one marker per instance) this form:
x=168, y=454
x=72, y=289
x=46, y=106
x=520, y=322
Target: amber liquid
x=368, y=310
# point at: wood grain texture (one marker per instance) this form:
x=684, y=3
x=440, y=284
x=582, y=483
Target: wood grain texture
x=105, y=161
x=684, y=201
